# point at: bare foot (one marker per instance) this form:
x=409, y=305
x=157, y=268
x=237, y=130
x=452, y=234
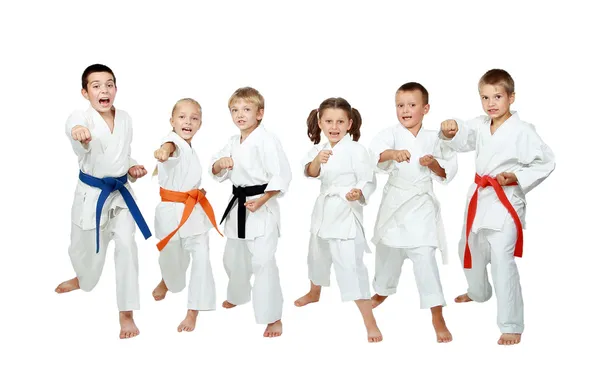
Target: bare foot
x=160, y=291
x=128, y=327
x=310, y=297
x=464, y=298
x=441, y=331
x=68, y=286
x=373, y=333
x=376, y=300
x=226, y=304
x=509, y=339
x=189, y=323
x=274, y=329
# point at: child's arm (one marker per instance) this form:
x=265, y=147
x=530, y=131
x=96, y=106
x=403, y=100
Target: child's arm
x=382, y=150
x=76, y=129
x=165, y=151
x=537, y=158
x=222, y=163
x=442, y=163
x=313, y=169
x=459, y=135
x=365, y=175
x=278, y=168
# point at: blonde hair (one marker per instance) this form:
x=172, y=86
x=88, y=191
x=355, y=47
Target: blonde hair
x=498, y=77
x=186, y=100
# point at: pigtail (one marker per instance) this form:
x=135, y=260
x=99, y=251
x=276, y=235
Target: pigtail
x=356, y=123
x=314, y=132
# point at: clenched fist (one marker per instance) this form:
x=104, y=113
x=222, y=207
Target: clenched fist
x=137, y=171
x=401, y=155
x=449, y=128
x=323, y=156
x=81, y=134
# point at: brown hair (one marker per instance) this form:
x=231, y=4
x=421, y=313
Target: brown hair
x=498, y=77
x=314, y=132
x=412, y=86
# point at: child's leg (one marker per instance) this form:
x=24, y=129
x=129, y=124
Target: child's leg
x=86, y=262
x=236, y=260
x=267, y=297
x=388, y=266
x=122, y=228
x=507, y=285
x=479, y=288
x=319, y=270
x=428, y=282
x=353, y=280
x=201, y=292
x=173, y=261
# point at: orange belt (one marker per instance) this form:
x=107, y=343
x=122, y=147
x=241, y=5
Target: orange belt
x=190, y=198
x=482, y=182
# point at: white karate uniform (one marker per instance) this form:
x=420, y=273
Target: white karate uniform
x=259, y=160
x=337, y=230
x=409, y=222
x=182, y=172
x=107, y=155
x=514, y=147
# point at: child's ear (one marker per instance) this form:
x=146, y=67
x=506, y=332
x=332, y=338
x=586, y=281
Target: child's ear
x=426, y=109
x=85, y=94
x=260, y=114
x=511, y=98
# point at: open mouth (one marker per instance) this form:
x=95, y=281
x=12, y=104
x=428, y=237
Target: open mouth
x=104, y=101
x=241, y=122
x=187, y=130
x=334, y=134
x=492, y=111
x=406, y=118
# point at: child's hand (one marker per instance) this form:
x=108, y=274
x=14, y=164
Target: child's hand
x=449, y=128
x=254, y=205
x=225, y=163
x=427, y=160
x=137, y=171
x=506, y=178
x=323, y=156
x=203, y=191
x=354, y=194
x=401, y=155
x=162, y=154
x=81, y=134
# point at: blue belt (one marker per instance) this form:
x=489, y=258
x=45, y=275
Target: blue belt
x=109, y=185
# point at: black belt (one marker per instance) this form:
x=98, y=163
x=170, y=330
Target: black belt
x=240, y=193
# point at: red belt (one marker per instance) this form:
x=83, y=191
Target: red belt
x=482, y=182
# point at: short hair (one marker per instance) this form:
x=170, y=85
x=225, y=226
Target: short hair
x=94, y=68
x=412, y=86
x=248, y=94
x=186, y=100
x=498, y=77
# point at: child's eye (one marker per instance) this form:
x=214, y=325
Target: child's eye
x=412, y=105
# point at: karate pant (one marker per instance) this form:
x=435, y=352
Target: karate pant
x=496, y=247
x=346, y=256
x=388, y=266
x=244, y=257
x=174, y=260
x=88, y=264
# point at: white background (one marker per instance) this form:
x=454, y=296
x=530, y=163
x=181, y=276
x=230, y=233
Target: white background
x=297, y=54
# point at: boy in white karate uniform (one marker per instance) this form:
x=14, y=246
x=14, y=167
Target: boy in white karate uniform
x=511, y=159
x=337, y=232
x=104, y=206
x=258, y=168
x=409, y=222
x=184, y=216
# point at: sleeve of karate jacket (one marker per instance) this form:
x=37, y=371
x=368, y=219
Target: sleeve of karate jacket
x=383, y=141
x=466, y=137
x=77, y=118
x=277, y=166
x=224, y=152
x=365, y=173
x=308, y=158
x=447, y=159
x=537, y=159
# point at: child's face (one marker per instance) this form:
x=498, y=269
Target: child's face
x=186, y=120
x=245, y=114
x=334, y=123
x=410, y=108
x=495, y=100
x=101, y=91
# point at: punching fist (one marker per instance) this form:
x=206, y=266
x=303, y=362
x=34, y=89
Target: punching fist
x=449, y=128
x=401, y=155
x=323, y=156
x=426, y=160
x=137, y=171
x=81, y=134
x=354, y=194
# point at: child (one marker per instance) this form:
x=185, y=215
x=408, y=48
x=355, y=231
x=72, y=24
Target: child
x=511, y=159
x=184, y=216
x=337, y=233
x=409, y=223
x=104, y=206
x=256, y=164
